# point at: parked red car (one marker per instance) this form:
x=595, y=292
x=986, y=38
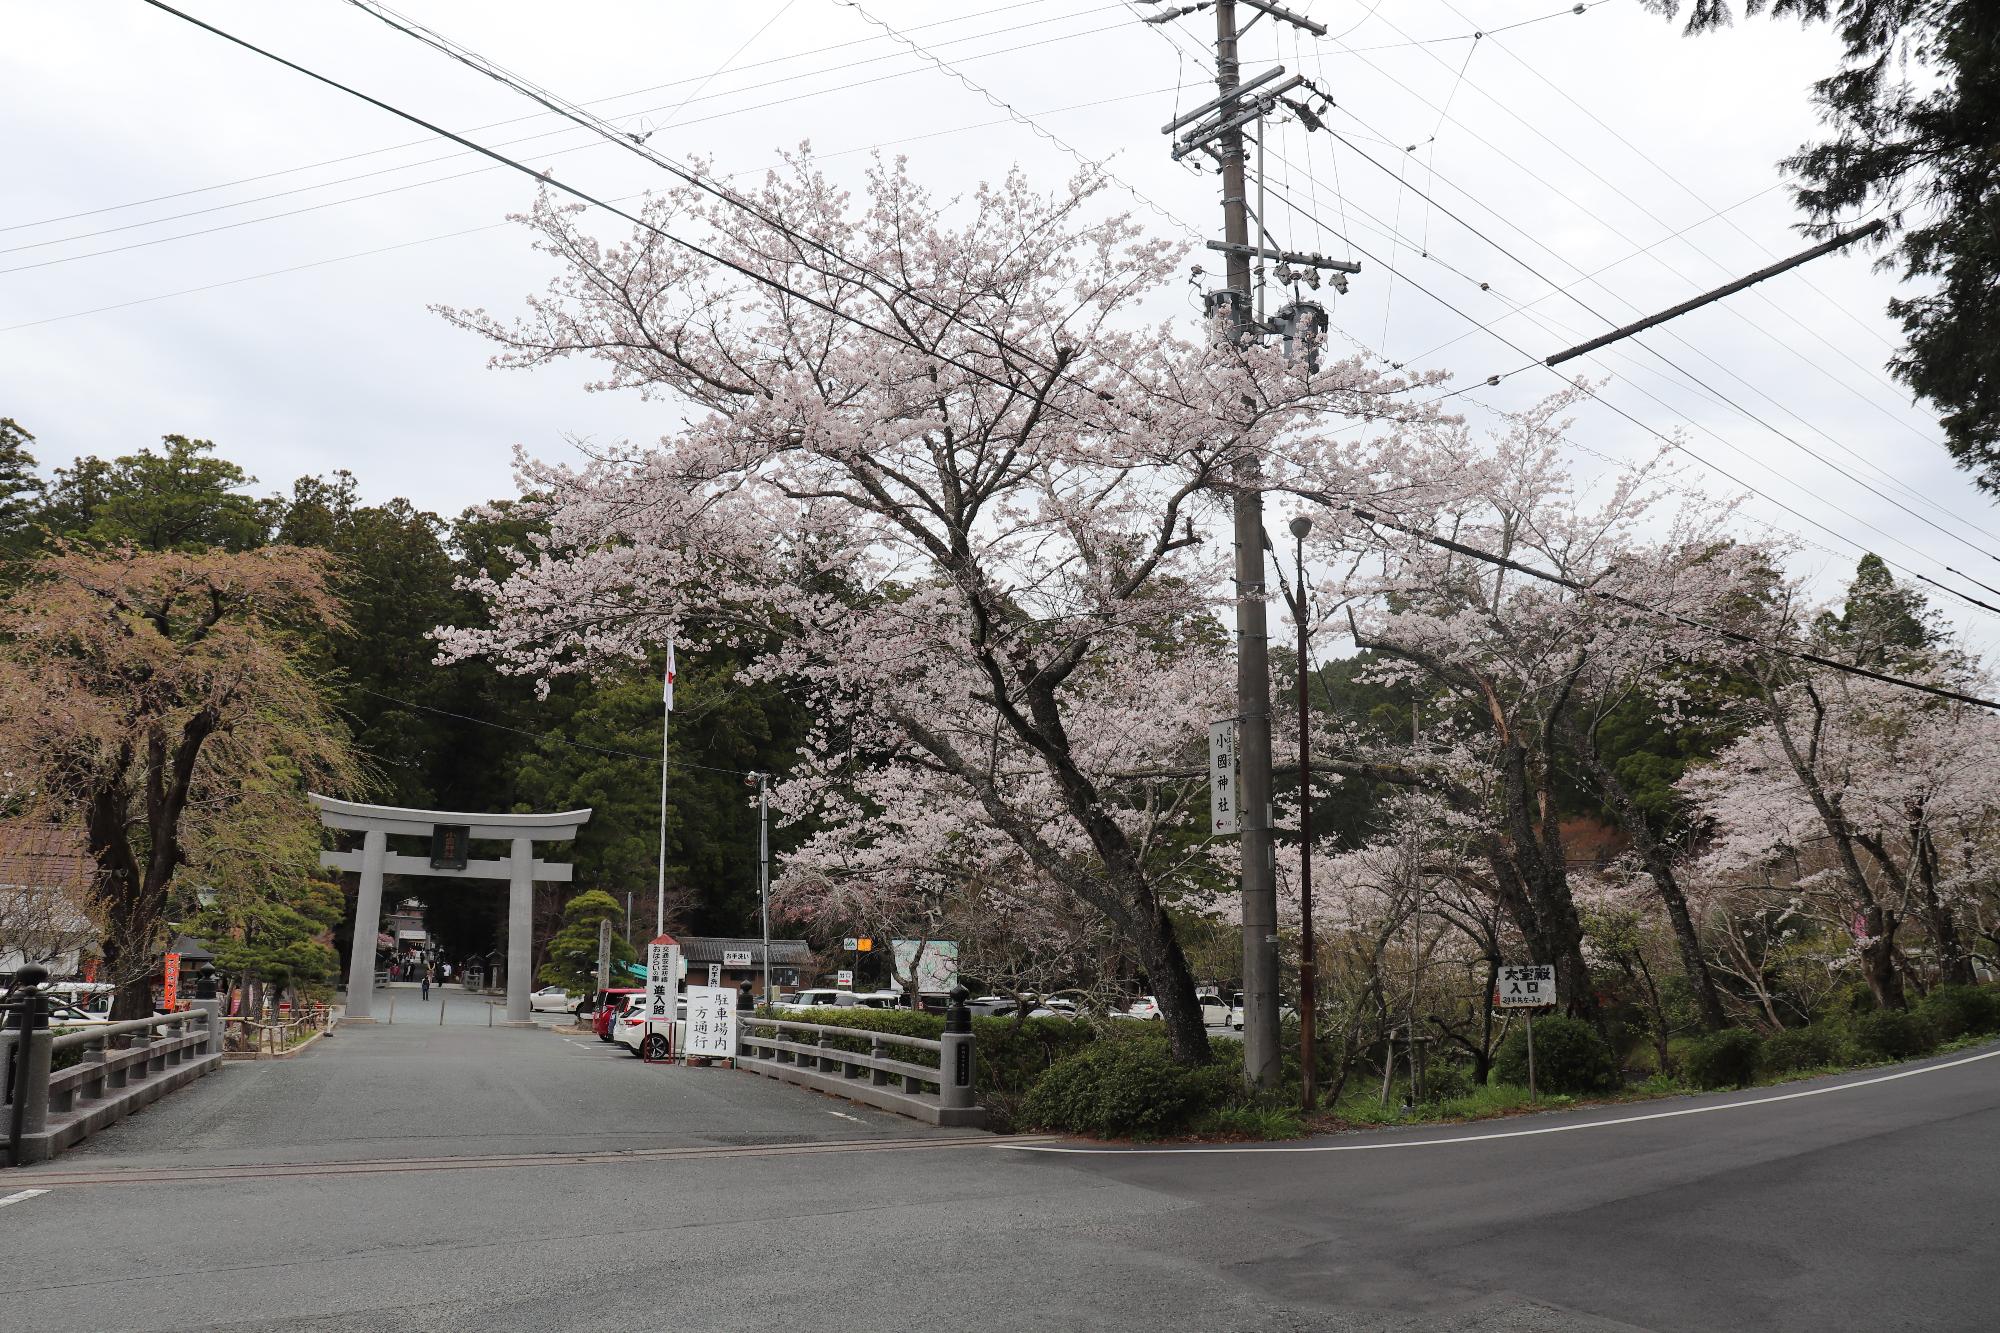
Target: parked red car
x=610, y=1003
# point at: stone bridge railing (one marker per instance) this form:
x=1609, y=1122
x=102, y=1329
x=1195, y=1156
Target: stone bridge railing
x=805, y=1053
x=122, y=1067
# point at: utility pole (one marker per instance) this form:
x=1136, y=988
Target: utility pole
x=1308, y=988
x=1216, y=128
x=763, y=781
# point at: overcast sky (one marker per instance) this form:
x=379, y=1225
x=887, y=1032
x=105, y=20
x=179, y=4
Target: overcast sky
x=146, y=158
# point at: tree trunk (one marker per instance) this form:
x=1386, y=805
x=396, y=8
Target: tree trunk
x=1659, y=867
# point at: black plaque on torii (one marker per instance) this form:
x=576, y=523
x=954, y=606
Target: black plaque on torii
x=448, y=846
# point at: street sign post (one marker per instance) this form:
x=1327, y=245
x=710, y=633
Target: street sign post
x=663, y=970
x=711, y=1032
x=1527, y=988
x=1222, y=803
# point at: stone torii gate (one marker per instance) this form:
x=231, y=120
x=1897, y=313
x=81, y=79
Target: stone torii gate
x=448, y=833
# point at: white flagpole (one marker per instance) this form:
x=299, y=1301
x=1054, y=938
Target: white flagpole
x=666, y=719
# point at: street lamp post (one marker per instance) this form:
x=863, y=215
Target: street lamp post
x=763, y=780
x=1308, y=994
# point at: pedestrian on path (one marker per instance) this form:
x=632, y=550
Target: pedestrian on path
x=425, y=993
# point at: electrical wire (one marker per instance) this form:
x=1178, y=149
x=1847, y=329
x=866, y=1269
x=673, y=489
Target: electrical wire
x=610, y=97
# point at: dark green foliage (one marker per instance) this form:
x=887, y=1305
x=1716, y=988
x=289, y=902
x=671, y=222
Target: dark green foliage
x=179, y=499
x=573, y=952
x=1447, y=1080
x=1961, y=1011
x=1730, y=1058
x=1911, y=116
x=1797, y=1049
x=1125, y=1086
x=1893, y=1034
x=20, y=489
x=1570, y=1057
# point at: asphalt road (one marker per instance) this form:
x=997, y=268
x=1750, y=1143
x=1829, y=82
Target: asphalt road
x=456, y=1177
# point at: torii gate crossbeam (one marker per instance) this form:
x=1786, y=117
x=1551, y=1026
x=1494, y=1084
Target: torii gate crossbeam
x=376, y=822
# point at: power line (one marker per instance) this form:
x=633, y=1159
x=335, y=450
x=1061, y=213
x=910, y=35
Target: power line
x=566, y=188
x=610, y=97
x=545, y=735
x=495, y=226
x=505, y=143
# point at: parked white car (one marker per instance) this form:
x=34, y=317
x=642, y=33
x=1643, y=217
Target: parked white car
x=644, y=1037
x=820, y=995
x=1214, y=1013
x=550, y=1000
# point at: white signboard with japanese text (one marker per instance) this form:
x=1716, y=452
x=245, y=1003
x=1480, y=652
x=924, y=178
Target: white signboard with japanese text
x=711, y=1022
x=1222, y=776
x=736, y=958
x=663, y=969
x=844, y=977
x=1530, y=987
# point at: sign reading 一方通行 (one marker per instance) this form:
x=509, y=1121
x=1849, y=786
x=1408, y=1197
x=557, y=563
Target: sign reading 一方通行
x=448, y=850
x=1222, y=776
x=662, y=980
x=711, y=1023
x=736, y=958
x=1530, y=987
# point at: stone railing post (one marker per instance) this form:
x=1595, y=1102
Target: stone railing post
x=955, y=1062
x=877, y=1077
x=211, y=1010
x=28, y=1097
x=95, y=1078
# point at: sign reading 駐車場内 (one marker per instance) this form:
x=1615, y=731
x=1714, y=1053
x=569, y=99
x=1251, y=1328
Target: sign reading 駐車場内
x=711, y=1022
x=1529, y=987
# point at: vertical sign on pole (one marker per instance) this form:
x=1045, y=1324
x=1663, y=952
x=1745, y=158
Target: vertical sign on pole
x=173, y=983
x=714, y=975
x=1222, y=807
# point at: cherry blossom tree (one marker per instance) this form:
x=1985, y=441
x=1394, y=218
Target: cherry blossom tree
x=936, y=470
x=1523, y=669
x=151, y=698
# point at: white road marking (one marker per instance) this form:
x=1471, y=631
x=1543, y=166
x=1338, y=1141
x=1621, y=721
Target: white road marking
x=1512, y=1133
x=845, y=1116
x=18, y=1196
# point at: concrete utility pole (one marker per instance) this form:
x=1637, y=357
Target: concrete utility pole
x=1217, y=129
x=1261, y=1059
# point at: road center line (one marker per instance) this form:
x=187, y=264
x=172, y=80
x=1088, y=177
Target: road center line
x=18, y=1195
x=1503, y=1134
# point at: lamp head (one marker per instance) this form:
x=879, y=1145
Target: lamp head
x=1301, y=526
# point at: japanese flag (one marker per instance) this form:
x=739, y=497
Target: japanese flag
x=670, y=676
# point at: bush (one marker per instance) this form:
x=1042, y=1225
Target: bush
x=1893, y=1034
x=1569, y=1057
x=1447, y=1080
x=1726, y=1059
x=1124, y=1086
x=1797, y=1049
x=1958, y=1011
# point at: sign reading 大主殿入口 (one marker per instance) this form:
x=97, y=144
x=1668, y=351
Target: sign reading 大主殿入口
x=1529, y=987
x=711, y=1022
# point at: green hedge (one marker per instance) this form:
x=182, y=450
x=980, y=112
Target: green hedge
x=1569, y=1057
x=1893, y=1034
x=1726, y=1059
x=1126, y=1086
x=1960, y=1011
x=1797, y=1049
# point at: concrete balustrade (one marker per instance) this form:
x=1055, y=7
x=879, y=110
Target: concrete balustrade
x=106, y=1084
x=941, y=1094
